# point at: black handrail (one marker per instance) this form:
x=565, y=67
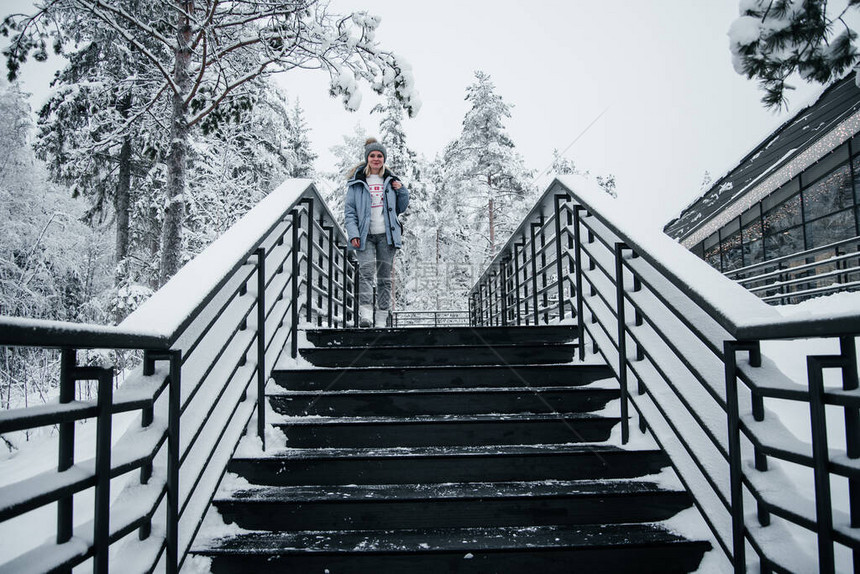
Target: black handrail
x=210, y=338
x=684, y=343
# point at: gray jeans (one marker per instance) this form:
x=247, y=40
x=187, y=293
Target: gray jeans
x=378, y=257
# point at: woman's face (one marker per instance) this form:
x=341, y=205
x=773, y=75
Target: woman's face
x=375, y=160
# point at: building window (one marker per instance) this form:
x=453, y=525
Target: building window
x=829, y=194
x=712, y=251
x=830, y=229
x=732, y=253
x=857, y=179
x=786, y=214
x=784, y=242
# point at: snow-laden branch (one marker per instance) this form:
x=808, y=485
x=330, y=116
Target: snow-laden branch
x=114, y=25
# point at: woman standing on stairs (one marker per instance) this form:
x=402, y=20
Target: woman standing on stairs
x=374, y=199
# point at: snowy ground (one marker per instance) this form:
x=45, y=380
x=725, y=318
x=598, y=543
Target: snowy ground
x=40, y=454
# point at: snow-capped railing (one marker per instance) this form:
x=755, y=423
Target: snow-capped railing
x=210, y=337
x=799, y=276
x=689, y=338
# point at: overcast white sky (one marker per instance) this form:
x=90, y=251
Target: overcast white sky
x=660, y=69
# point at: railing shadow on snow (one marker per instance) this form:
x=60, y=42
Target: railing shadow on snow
x=685, y=345
x=210, y=338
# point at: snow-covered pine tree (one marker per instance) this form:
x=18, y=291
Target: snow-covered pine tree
x=299, y=141
x=201, y=57
x=485, y=167
x=772, y=39
x=86, y=133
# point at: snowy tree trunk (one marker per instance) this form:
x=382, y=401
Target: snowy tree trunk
x=122, y=202
x=174, y=209
x=492, y=227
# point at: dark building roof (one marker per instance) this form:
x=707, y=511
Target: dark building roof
x=836, y=103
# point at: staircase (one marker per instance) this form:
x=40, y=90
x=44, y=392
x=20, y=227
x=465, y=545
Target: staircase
x=449, y=450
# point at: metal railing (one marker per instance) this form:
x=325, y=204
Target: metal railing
x=430, y=318
x=685, y=345
x=800, y=276
x=209, y=338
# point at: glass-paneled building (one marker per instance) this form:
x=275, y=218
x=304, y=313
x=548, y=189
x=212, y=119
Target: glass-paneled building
x=785, y=222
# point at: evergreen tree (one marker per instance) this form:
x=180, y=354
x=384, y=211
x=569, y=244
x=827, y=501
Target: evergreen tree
x=85, y=135
x=485, y=167
x=772, y=39
x=303, y=156
x=200, y=59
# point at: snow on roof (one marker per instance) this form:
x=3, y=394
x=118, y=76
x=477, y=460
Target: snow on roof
x=835, y=104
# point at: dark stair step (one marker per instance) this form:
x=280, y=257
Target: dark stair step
x=436, y=377
x=440, y=465
x=617, y=548
x=451, y=505
x=441, y=336
x=442, y=401
x=461, y=430
x=415, y=356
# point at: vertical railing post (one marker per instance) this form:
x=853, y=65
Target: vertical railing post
x=730, y=350
x=852, y=430
x=577, y=209
x=345, y=292
x=480, y=297
x=490, y=299
x=558, y=259
x=66, y=453
x=735, y=468
x=622, y=338
x=173, y=457
x=261, y=345
x=820, y=464
x=503, y=273
x=356, y=291
x=101, y=516
x=294, y=305
x=757, y=401
x=543, y=273
x=309, y=274
x=517, y=286
x=330, y=288
x=533, y=239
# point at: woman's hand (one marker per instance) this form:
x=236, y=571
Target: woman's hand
x=356, y=242
x=396, y=185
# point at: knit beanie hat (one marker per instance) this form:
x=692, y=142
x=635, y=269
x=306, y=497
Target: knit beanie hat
x=372, y=145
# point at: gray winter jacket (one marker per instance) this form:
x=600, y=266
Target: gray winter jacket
x=356, y=208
